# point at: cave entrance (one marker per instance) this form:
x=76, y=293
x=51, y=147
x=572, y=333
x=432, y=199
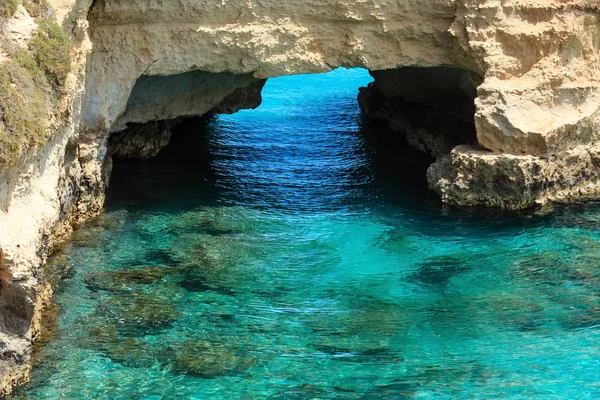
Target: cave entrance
x=432, y=108
x=297, y=127
x=308, y=134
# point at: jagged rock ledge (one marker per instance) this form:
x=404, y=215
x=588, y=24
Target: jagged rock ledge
x=433, y=110
x=474, y=176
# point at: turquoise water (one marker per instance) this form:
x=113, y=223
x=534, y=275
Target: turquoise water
x=290, y=252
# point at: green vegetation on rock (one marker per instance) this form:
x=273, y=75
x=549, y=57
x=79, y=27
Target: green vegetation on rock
x=31, y=83
x=8, y=8
x=23, y=107
x=36, y=8
x=51, y=49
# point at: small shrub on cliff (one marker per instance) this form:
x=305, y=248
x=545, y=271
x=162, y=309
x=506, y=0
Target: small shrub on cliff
x=51, y=48
x=24, y=106
x=8, y=8
x=37, y=8
x=26, y=61
x=31, y=83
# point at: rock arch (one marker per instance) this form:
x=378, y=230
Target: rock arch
x=536, y=106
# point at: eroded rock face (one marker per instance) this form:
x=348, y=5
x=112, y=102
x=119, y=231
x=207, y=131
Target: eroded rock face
x=261, y=39
x=140, y=141
x=188, y=94
x=164, y=101
x=471, y=176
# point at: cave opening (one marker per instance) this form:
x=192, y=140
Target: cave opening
x=402, y=120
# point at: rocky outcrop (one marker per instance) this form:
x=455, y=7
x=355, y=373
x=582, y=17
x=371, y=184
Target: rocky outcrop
x=536, y=108
x=140, y=141
x=537, y=111
x=41, y=197
x=473, y=176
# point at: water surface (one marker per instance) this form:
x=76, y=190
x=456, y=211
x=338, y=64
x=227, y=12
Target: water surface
x=290, y=252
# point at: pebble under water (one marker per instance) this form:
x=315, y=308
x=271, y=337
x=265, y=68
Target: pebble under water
x=290, y=252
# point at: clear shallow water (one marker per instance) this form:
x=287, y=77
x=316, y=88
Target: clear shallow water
x=290, y=253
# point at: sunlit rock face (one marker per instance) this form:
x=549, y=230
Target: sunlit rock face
x=262, y=39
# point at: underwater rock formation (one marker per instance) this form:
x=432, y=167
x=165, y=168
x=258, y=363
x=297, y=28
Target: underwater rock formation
x=535, y=65
x=207, y=360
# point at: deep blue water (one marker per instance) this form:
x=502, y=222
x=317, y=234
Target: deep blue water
x=291, y=252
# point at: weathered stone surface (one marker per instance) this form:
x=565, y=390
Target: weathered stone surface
x=187, y=94
x=471, y=176
x=264, y=39
x=156, y=103
x=539, y=58
x=21, y=26
x=40, y=198
x=140, y=141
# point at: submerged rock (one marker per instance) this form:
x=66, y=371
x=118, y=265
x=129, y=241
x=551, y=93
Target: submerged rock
x=469, y=316
x=139, y=314
x=217, y=253
x=583, y=313
x=196, y=278
x=161, y=257
x=215, y=263
x=304, y=391
x=206, y=359
x=395, y=240
x=213, y=221
x=131, y=352
x=124, y=280
x=545, y=267
x=368, y=334
x=391, y=391
x=438, y=270
x=91, y=237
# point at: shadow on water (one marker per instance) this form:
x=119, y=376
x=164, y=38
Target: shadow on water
x=182, y=170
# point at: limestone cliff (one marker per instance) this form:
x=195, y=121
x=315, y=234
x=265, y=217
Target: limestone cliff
x=527, y=70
